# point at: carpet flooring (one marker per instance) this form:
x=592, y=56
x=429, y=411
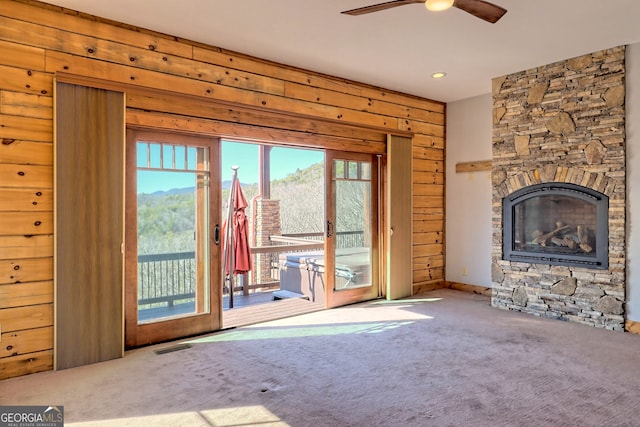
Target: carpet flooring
x=442, y=358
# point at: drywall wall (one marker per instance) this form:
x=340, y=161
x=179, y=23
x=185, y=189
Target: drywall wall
x=633, y=182
x=468, y=194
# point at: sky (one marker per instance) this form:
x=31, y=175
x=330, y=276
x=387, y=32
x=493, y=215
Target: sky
x=284, y=161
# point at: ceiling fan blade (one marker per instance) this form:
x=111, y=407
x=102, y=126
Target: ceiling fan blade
x=381, y=6
x=481, y=9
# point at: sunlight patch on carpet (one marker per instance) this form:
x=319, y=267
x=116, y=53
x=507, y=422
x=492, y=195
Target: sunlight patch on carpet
x=301, y=331
x=406, y=301
x=223, y=417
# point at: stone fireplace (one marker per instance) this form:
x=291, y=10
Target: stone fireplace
x=559, y=194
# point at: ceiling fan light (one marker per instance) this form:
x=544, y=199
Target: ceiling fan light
x=438, y=5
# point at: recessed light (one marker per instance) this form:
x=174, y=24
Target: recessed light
x=438, y=75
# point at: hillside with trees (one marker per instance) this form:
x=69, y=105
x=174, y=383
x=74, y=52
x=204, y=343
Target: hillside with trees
x=166, y=220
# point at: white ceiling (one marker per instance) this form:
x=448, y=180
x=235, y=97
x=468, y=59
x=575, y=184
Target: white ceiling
x=395, y=49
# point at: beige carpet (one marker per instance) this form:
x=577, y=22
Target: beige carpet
x=444, y=358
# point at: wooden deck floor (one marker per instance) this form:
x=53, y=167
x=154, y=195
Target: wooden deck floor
x=272, y=310
x=247, y=309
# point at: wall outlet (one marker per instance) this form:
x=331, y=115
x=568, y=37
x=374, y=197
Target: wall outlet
x=464, y=271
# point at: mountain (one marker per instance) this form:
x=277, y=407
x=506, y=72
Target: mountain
x=184, y=190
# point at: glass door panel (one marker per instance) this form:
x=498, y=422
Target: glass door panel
x=352, y=229
x=173, y=217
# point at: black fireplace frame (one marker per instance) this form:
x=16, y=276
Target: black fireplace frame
x=599, y=200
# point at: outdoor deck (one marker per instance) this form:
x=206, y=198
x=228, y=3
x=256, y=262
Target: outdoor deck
x=167, y=283
x=185, y=308
x=248, y=309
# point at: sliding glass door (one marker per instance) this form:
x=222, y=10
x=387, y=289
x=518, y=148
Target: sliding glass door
x=351, y=244
x=172, y=235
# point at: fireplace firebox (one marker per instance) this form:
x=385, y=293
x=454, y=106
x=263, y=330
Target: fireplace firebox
x=556, y=224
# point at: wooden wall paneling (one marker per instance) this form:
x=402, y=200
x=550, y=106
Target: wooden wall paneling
x=428, y=141
x=428, y=165
x=428, y=201
x=428, y=190
x=26, y=200
x=247, y=132
x=20, y=55
x=428, y=210
x=425, y=225
x=436, y=117
x=307, y=78
x=415, y=126
x=26, y=81
x=427, y=270
x=24, y=294
x=360, y=103
x=427, y=275
x=65, y=63
x=428, y=238
x=89, y=225
x=251, y=117
x=26, y=246
x=427, y=250
x=26, y=176
x=428, y=153
x=102, y=29
x=143, y=58
x=48, y=15
x=28, y=341
x=422, y=177
x=26, y=104
x=26, y=128
x=26, y=223
x=24, y=364
x=26, y=152
x=399, y=227
x=25, y=270
x=313, y=80
x=428, y=262
x=23, y=318
x=149, y=59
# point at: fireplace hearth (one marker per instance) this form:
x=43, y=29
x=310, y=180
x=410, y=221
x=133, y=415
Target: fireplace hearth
x=556, y=224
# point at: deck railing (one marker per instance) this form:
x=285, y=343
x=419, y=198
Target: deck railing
x=165, y=279
x=170, y=278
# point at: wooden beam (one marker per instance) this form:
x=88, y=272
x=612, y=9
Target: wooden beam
x=479, y=166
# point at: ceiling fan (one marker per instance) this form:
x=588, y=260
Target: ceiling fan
x=478, y=8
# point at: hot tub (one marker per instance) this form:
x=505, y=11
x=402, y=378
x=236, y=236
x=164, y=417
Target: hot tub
x=303, y=272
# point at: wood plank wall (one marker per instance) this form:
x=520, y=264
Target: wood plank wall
x=237, y=95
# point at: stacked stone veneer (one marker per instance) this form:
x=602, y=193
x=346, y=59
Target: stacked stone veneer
x=563, y=122
x=267, y=224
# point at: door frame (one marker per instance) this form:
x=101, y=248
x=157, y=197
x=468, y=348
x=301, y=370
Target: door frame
x=136, y=334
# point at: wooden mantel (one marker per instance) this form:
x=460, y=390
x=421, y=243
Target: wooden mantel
x=479, y=166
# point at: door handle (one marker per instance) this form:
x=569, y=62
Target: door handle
x=329, y=228
x=216, y=234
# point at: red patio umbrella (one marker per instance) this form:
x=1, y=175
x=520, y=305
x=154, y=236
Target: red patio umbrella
x=237, y=255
